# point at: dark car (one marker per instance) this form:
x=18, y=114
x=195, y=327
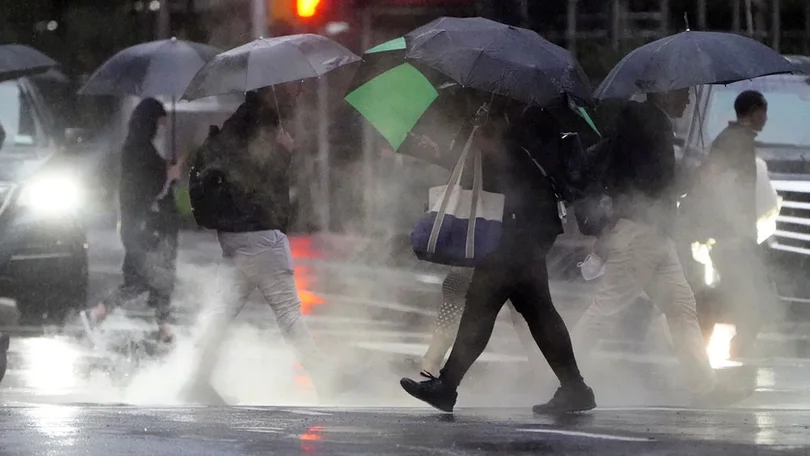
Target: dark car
x=43, y=245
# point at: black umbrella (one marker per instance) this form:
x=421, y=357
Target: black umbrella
x=269, y=61
x=691, y=59
x=17, y=60
x=500, y=59
x=157, y=68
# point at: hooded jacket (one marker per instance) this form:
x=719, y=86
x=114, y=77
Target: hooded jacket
x=246, y=173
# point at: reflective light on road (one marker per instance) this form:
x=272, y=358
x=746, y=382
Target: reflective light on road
x=719, y=348
x=56, y=422
x=52, y=368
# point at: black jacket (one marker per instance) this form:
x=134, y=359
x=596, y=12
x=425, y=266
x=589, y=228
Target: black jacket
x=531, y=222
x=245, y=173
x=644, y=166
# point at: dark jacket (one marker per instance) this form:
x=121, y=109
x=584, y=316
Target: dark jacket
x=246, y=172
x=143, y=170
x=723, y=203
x=644, y=166
x=531, y=222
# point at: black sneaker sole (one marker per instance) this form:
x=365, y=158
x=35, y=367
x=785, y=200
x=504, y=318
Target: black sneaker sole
x=541, y=410
x=411, y=387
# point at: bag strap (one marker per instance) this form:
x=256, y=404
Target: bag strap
x=478, y=183
x=455, y=179
x=561, y=210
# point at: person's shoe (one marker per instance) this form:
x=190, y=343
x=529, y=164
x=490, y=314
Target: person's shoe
x=568, y=399
x=432, y=391
x=721, y=396
x=592, y=268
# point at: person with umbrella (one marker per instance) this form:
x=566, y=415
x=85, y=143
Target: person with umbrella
x=149, y=218
x=477, y=53
x=646, y=187
x=240, y=187
x=149, y=236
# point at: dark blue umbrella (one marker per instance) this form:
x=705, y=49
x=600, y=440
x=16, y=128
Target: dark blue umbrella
x=157, y=68
x=18, y=60
x=691, y=59
x=496, y=58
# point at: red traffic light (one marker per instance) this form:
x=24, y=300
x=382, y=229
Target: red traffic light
x=306, y=8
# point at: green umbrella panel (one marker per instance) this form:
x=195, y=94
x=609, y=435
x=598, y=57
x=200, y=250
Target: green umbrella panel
x=394, y=101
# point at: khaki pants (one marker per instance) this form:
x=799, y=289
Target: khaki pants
x=640, y=259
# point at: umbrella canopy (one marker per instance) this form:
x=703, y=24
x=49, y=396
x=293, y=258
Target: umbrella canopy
x=17, y=60
x=690, y=59
x=157, y=68
x=508, y=61
x=396, y=97
x=394, y=101
x=269, y=61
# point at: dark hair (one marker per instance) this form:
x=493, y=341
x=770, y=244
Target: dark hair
x=749, y=102
x=144, y=119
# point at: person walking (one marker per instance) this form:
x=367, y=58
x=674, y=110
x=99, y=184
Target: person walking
x=454, y=293
x=726, y=196
x=640, y=253
x=516, y=272
x=149, y=223
x=240, y=187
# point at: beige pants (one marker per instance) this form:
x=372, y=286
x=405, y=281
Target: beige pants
x=640, y=259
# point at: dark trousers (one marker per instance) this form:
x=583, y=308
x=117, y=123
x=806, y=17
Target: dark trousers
x=525, y=283
x=149, y=270
x=746, y=291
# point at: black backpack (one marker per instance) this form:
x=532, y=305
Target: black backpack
x=590, y=179
x=584, y=182
x=206, y=185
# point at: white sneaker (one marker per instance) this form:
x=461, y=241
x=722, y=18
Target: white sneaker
x=592, y=268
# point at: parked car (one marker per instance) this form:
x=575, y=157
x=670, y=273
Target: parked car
x=43, y=196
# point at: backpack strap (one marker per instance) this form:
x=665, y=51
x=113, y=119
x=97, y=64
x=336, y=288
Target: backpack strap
x=562, y=212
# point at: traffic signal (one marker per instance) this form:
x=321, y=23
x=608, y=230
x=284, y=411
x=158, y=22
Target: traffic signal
x=306, y=9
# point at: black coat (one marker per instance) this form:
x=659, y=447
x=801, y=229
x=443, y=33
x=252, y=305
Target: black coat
x=644, y=165
x=245, y=173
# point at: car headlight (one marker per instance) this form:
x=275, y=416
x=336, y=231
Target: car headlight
x=52, y=195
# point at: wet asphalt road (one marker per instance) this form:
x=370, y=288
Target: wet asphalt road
x=82, y=430
x=373, y=321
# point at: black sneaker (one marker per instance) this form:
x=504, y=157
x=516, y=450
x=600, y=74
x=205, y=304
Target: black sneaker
x=433, y=391
x=568, y=399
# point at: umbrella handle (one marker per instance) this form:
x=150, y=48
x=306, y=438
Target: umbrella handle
x=278, y=111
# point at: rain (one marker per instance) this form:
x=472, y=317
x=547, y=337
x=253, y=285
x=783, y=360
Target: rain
x=404, y=227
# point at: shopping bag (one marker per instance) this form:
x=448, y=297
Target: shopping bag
x=462, y=227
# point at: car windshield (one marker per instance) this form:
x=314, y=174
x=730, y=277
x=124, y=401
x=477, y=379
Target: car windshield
x=16, y=119
x=788, y=106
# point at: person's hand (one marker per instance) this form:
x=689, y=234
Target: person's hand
x=174, y=172
x=285, y=140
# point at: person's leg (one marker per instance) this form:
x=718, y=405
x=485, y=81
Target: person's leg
x=162, y=281
x=485, y=298
x=234, y=291
x=671, y=292
x=272, y=271
x=629, y=269
x=454, y=292
x=532, y=298
x=524, y=334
